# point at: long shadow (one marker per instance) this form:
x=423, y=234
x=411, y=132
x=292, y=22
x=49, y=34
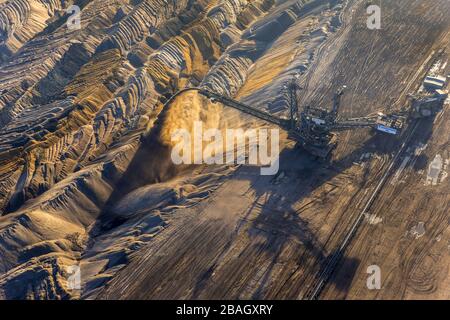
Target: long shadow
x=151, y=164
x=294, y=227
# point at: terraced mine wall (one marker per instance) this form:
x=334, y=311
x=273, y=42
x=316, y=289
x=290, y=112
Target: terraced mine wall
x=74, y=105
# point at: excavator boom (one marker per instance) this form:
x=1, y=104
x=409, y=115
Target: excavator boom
x=283, y=123
x=315, y=129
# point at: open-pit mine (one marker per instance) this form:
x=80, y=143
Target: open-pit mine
x=108, y=190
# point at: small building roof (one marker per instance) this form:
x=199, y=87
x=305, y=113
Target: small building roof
x=433, y=84
x=436, y=78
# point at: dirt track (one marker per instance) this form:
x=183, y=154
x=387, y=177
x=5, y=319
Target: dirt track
x=410, y=241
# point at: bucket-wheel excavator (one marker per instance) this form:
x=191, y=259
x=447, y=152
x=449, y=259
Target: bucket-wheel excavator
x=313, y=128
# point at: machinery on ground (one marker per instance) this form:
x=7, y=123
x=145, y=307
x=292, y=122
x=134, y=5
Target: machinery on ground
x=315, y=129
x=425, y=105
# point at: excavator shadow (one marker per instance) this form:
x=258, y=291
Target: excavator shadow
x=277, y=223
x=281, y=223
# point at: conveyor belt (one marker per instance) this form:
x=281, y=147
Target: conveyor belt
x=282, y=123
